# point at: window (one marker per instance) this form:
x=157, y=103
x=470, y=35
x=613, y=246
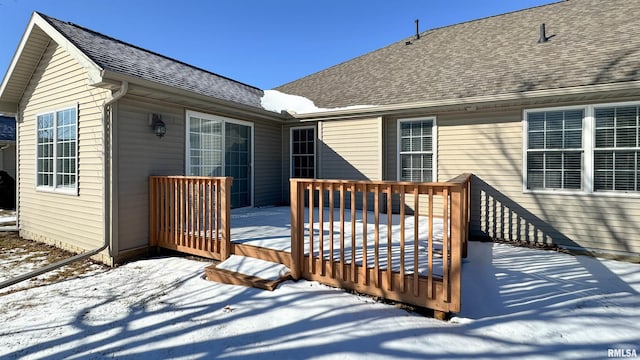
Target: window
x=554, y=152
x=303, y=159
x=416, y=143
x=617, y=148
x=220, y=146
x=589, y=149
x=57, y=159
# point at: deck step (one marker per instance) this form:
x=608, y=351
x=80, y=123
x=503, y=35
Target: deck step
x=247, y=271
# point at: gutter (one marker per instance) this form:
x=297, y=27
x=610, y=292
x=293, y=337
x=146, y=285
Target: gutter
x=225, y=105
x=107, y=215
x=464, y=103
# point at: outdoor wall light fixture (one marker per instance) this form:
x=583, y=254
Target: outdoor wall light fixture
x=158, y=126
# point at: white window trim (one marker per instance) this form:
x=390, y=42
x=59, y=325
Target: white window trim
x=224, y=120
x=588, y=148
x=525, y=143
x=315, y=149
x=54, y=189
x=434, y=145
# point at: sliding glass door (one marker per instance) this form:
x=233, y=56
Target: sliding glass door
x=218, y=146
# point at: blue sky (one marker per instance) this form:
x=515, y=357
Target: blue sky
x=259, y=42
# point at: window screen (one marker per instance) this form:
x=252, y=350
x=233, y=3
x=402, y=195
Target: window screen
x=416, y=150
x=554, y=149
x=303, y=153
x=617, y=148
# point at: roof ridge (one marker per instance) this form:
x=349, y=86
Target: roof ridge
x=488, y=17
x=49, y=18
x=405, y=39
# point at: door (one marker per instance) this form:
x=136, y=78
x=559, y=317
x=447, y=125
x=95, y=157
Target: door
x=237, y=142
x=218, y=146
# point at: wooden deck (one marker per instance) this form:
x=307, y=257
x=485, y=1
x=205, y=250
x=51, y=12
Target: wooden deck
x=403, y=282
x=190, y=214
x=368, y=237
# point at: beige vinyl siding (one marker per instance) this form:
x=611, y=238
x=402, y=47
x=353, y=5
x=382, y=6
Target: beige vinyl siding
x=140, y=154
x=74, y=222
x=489, y=145
x=267, y=163
x=350, y=149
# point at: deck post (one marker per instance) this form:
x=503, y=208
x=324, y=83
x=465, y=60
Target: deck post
x=297, y=229
x=457, y=232
x=225, y=217
x=466, y=202
x=153, y=237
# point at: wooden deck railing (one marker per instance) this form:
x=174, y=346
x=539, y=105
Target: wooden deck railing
x=347, y=234
x=190, y=214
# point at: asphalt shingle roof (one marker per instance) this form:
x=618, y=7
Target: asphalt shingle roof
x=115, y=55
x=591, y=42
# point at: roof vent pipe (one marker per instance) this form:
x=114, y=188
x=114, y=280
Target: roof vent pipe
x=543, y=34
x=417, y=29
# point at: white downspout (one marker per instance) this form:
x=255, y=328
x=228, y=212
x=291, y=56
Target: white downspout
x=124, y=87
x=17, y=192
x=106, y=138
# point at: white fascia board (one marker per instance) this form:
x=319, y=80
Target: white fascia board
x=16, y=55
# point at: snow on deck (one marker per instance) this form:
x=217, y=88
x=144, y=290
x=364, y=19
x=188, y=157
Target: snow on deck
x=270, y=227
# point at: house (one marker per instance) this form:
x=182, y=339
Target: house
x=96, y=117
x=541, y=105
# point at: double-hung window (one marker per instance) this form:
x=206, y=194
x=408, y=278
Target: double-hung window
x=617, y=148
x=303, y=159
x=57, y=150
x=416, y=144
x=554, y=152
x=589, y=149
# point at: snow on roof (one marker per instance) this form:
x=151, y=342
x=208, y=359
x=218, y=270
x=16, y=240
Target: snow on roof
x=276, y=101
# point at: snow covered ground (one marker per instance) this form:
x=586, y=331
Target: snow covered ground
x=518, y=303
